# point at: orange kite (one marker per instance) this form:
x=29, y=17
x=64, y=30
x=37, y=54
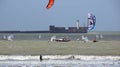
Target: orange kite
x=50, y=4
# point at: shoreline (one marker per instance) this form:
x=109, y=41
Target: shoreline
x=57, y=57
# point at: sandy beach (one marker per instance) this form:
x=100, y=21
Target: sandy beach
x=37, y=47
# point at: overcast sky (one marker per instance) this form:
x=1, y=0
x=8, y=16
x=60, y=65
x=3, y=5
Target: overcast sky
x=33, y=15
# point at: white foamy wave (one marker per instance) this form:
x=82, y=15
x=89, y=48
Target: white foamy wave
x=54, y=57
x=97, y=57
x=14, y=57
x=58, y=57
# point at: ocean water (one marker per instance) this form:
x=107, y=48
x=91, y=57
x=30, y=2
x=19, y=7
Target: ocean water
x=60, y=61
x=85, y=61
x=73, y=36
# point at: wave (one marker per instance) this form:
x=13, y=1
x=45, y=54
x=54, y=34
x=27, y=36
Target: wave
x=57, y=57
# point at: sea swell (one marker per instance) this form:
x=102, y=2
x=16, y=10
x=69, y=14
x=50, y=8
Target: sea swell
x=57, y=57
x=59, y=61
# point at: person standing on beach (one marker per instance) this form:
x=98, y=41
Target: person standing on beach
x=41, y=58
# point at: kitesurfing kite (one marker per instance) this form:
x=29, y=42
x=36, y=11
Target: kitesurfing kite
x=91, y=21
x=50, y=4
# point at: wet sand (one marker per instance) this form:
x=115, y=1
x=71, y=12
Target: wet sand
x=37, y=47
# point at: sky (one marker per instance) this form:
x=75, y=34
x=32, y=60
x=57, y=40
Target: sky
x=32, y=15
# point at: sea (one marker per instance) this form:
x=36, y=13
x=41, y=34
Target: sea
x=107, y=36
x=84, y=61
x=59, y=61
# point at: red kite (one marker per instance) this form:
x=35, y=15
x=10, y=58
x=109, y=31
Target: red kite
x=50, y=4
